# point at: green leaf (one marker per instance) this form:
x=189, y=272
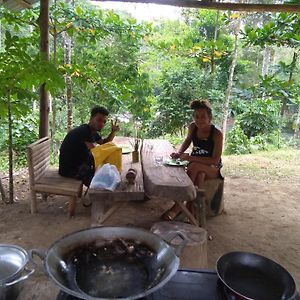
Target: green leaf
x=78, y=10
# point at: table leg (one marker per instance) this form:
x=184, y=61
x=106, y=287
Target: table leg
x=187, y=213
x=100, y=213
x=201, y=210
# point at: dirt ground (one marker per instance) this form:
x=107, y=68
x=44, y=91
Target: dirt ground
x=260, y=216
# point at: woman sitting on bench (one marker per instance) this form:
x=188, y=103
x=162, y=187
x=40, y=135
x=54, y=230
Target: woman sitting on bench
x=205, y=159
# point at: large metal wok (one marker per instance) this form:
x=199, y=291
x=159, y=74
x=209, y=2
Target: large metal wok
x=111, y=262
x=254, y=277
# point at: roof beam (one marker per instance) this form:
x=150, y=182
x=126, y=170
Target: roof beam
x=293, y=8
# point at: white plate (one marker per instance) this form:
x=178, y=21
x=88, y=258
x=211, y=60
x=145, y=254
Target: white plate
x=175, y=162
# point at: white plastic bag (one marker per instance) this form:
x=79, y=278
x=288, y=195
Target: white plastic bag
x=107, y=177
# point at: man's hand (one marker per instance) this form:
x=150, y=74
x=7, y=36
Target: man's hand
x=114, y=126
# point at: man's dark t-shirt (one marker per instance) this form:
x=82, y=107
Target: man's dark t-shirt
x=74, y=153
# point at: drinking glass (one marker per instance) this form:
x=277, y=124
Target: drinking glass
x=158, y=160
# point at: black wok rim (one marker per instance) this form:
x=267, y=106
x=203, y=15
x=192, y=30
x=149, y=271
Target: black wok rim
x=88, y=297
x=255, y=255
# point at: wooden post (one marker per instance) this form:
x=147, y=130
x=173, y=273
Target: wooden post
x=43, y=22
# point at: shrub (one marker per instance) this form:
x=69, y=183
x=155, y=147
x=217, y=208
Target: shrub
x=237, y=142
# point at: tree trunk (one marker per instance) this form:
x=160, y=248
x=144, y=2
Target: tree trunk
x=297, y=127
x=53, y=104
x=43, y=22
x=257, y=64
x=266, y=61
x=293, y=65
x=2, y=192
x=53, y=99
x=10, y=152
x=230, y=80
x=0, y=35
x=68, y=80
x=213, y=62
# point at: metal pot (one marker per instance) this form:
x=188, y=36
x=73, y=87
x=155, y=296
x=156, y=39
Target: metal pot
x=111, y=262
x=250, y=276
x=13, y=261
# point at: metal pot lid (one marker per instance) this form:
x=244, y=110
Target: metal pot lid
x=12, y=261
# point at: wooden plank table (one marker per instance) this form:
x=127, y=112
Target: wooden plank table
x=167, y=182
x=105, y=203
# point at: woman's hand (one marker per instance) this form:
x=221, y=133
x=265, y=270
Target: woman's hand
x=175, y=155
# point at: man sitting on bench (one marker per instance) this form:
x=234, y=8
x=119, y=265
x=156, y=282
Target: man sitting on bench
x=75, y=158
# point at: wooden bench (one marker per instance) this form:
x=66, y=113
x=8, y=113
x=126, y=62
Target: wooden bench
x=214, y=196
x=105, y=203
x=47, y=181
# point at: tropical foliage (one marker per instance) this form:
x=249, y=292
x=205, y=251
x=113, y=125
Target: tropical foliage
x=147, y=73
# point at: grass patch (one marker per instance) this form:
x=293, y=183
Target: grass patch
x=281, y=164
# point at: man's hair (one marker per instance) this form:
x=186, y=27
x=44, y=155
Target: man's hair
x=99, y=110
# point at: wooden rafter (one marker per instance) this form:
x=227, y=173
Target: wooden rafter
x=294, y=8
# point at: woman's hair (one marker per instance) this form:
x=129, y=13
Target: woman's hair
x=202, y=104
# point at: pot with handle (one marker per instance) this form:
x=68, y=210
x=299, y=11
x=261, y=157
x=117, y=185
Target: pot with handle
x=111, y=262
x=13, y=270
x=250, y=276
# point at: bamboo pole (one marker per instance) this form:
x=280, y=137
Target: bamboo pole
x=293, y=8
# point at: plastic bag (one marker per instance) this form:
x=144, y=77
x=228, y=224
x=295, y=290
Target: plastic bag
x=107, y=177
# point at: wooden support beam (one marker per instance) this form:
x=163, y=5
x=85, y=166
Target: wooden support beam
x=43, y=22
x=293, y=8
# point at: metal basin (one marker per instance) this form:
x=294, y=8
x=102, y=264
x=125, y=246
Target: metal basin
x=13, y=261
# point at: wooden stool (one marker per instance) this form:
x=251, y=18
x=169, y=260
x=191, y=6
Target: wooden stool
x=194, y=254
x=214, y=196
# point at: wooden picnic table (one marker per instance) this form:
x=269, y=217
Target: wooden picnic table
x=104, y=202
x=163, y=182
x=169, y=182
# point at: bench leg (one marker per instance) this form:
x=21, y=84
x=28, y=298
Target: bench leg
x=33, y=203
x=72, y=206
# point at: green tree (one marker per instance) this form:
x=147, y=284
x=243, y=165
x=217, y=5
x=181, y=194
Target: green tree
x=283, y=31
x=20, y=72
x=107, y=71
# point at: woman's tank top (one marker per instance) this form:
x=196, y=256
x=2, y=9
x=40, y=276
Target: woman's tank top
x=204, y=147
